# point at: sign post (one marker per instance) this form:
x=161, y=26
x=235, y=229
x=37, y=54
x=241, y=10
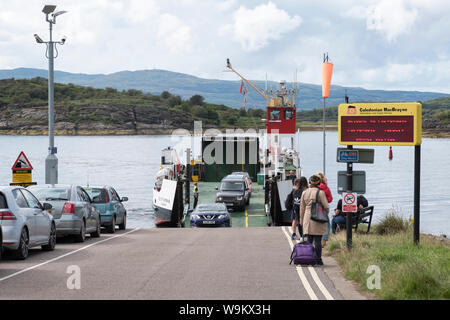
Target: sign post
x=385, y=124
x=348, y=213
x=22, y=171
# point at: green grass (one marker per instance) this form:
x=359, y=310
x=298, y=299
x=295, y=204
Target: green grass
x=408, y=271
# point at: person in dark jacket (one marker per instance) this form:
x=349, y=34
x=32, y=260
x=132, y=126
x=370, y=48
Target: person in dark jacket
x=299, y=186
x=339, y=217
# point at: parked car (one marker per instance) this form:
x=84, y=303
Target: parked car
x=234, y=192
x=109, y=204
x=210, y=215
x=247, y=176
x=73, y=211
x=25, y=222
x=1, y=241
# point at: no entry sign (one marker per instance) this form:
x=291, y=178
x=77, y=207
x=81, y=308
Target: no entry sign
x=349, y=202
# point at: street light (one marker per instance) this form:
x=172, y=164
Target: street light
x=51, y=162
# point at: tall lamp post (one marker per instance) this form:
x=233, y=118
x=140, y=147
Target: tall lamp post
x=51, y=162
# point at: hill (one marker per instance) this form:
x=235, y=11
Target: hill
x=86, y=110
x=215, y=91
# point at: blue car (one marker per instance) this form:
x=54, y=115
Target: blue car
x=210, y=215
x=108, y=202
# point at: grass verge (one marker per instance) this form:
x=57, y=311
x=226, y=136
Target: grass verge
x=408, y=271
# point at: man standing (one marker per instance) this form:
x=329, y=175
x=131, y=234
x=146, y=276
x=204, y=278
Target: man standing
x=195, y=194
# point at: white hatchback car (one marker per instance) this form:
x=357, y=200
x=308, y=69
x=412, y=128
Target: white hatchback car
x=25, y=222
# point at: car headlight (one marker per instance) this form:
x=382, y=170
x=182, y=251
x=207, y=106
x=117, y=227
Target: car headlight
x=195, y=217
x=239, y=198
x=219, y=199
x=222, y=216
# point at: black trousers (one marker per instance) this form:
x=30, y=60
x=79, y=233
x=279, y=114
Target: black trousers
x=317, y=242
x=195, y=202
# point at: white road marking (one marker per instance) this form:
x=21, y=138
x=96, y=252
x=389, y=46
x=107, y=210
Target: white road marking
x=319, y=283
x=300, y=273
x=316, y=278
x=64, y=255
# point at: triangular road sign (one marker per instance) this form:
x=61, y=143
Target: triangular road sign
x=22, y=163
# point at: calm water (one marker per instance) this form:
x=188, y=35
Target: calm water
x=129, y=163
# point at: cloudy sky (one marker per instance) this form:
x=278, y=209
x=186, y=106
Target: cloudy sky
x=384, y=44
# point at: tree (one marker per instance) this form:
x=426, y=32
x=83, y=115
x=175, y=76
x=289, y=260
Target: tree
x=197, y=100
x=174, y=101
x=165, y=95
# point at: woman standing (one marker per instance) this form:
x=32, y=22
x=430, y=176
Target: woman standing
x=300, y=185
x=312, y=229
x=324, y=186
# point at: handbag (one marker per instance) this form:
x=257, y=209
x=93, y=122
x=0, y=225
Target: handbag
x=318, y=213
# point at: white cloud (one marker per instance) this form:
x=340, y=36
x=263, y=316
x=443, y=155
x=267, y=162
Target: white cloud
x=174, y=33
x=391, y=18
x=255, y=28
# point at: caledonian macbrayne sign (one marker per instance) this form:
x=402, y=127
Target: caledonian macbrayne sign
x=387, y=124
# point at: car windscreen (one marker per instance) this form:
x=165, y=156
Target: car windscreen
x=49, y=194
x=208, y=207
x=98, y=195
x=232, y=186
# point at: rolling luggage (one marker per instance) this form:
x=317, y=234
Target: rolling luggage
x=304, y=253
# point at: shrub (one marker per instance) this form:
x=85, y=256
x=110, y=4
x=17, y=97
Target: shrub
x=392, y=223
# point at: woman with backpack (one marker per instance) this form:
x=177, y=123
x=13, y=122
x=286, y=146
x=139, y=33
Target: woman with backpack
x=299, y=186
x=314, y=230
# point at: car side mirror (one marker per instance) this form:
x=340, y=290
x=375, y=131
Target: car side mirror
x=46, y=206
x=217, y=188
x=124, y=199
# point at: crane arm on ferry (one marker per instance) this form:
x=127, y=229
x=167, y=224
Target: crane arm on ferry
x=260, y=91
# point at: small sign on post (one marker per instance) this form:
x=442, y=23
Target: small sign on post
x=349, y=202
x=22, y=171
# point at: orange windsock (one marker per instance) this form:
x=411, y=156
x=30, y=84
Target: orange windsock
x=327, y=72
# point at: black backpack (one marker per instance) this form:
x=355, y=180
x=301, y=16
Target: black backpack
x=289, y=202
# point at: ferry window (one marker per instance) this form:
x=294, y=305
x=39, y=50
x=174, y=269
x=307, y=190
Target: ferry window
x=288, y=114
x=275, y=115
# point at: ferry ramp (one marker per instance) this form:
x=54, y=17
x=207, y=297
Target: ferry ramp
x=183, y=263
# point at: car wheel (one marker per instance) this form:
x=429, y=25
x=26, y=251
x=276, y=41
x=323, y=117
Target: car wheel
x=22, y=252
x=97, y=232
x=248, y=201
x=112, y=227
x=123, y=225
x=80, y=237
x=51, y=241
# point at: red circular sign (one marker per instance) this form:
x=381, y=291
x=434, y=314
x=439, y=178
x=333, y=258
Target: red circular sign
x=349, y=198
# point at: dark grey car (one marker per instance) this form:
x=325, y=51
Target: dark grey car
x=72, y=210
x=234, y=192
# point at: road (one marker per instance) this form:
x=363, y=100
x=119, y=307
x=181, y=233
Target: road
x=228, y=263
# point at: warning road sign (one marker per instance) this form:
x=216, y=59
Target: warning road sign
x=22, y=163
x=349, y=203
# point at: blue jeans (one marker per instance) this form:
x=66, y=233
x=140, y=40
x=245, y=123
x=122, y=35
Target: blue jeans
x=337, y=220
x=325, y=236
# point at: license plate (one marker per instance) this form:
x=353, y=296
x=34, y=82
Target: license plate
x=209, y=222
x=229, y=204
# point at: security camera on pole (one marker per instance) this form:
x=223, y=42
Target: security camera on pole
x=51, y=162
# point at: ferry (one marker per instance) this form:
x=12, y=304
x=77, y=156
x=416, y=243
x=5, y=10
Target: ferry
x=269, y=157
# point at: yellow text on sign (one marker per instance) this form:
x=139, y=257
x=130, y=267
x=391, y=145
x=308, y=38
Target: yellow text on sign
x=387, y=124
x=22, y=177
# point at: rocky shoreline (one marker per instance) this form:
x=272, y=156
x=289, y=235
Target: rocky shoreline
x=120, y=119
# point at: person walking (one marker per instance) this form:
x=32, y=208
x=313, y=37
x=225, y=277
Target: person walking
x=324, y=186
x=292, y=176
x=196, y=192
x=300, y=185
x=312, y=229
